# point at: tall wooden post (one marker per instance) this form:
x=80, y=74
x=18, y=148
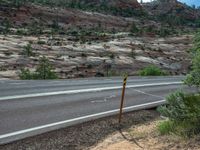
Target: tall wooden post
x=122, y=98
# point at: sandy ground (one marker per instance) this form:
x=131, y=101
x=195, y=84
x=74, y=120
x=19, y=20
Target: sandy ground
x=146, y=137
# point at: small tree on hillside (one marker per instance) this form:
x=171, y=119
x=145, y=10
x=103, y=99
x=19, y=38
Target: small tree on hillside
x=28, y=50
x=134, y=29
x=44, y=70
x=7, y=25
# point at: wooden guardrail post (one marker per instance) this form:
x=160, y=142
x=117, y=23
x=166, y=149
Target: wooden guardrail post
x=122, y=98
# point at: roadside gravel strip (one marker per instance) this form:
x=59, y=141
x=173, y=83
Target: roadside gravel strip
x=83, y=136
x=58, y=125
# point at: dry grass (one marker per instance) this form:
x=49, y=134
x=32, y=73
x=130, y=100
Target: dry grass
x=147, y=137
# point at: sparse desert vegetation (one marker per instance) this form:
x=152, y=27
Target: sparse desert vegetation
x=121, y=54
x=74, y=35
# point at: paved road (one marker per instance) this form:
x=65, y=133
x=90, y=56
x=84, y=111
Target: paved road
x=31, y=107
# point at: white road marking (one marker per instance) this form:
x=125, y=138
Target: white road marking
x=111, y=96
x=139, y=91
x=104, y=100
x=131, y=108
x=99, y=101
x=19, y=83
x=84, y=90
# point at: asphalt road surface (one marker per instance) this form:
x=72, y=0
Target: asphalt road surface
x=29, y=108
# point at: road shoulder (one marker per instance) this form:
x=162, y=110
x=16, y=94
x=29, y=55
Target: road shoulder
x=137, y=132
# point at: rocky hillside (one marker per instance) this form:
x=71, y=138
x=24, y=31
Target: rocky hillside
x=86, y=38
x=33, y=16
x=169, y=10
x=121, y=53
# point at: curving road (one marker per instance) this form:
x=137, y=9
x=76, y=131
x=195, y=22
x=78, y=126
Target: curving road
x=29, y=108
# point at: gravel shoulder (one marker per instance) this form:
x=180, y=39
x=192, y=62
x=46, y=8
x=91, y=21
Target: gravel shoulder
x=83, y=136
x=138, y=131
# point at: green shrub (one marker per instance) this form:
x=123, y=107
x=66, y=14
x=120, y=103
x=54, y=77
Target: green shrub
x=184, y=111
x=134, y=29
x=21, y=32
x=55, y=24
x=7, y=25
x=193, y=101
x=3, y=68
x=165, y=127
x=194, y=77
x=111, y=55
x=41, y=42
x=133, y=53
x=25, y=74
x=152, y=71
x=43, y=71
x=163, y=32
x=28, y=50
x=111, y=73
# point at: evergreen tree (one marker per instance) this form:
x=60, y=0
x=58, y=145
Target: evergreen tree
x=44, y=70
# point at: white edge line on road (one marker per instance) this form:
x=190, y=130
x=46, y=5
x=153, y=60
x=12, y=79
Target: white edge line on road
x=9, y=135
x=83, y=91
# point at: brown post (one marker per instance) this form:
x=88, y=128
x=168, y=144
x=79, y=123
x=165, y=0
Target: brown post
x=122, y=99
